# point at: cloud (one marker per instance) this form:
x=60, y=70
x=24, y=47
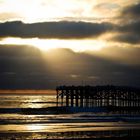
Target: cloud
x=106, y=7
x=62, y=29
x=124, y=55
x=128, y=38
x=129, y=29
x=132, y=11
x=129, y=33
x=9, y=15
x=24, y=67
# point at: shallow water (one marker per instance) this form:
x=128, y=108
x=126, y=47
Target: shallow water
x=28, y=117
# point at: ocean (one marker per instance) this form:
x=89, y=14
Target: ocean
x=34, y=117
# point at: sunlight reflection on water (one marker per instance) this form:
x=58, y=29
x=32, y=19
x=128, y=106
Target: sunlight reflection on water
x=19, y=123
x=68, y=127
x=30, y=101
x=35, y=127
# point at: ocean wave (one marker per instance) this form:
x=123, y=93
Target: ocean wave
x=51, y=110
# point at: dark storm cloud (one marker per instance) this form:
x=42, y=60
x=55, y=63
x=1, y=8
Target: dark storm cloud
x=62, y=29
x=132, y=11
x=128, y=38
x=72, y=68
x=133, y=28
x=124, y=55
x=24, y=67
x=129, y=33
x=129, y=27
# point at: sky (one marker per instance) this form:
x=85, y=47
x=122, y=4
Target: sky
x=46, y=43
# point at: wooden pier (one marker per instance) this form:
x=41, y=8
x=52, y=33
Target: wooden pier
x=98, y=96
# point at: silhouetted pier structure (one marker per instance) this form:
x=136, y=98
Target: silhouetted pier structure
x=98, y=96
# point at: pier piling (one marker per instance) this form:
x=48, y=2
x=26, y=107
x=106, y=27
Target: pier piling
x=98, y=96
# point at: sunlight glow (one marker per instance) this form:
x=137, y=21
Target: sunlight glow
x=46, y=10
x=50, y=10
x=35, y=127
x=47, y=44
